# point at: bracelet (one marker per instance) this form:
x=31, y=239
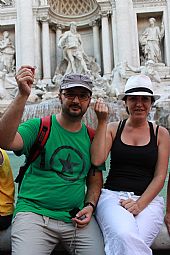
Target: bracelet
x=91, y=204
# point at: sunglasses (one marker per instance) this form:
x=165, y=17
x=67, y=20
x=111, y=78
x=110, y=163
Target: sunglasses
x=71, y=96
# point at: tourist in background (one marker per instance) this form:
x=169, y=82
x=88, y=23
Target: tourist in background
x=53, y=194
x=130, y=212
x=6, y=201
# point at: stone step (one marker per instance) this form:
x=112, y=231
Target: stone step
x=162, y=241
x=161, y=245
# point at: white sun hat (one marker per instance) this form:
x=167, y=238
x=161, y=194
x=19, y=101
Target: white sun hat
x=138, y=85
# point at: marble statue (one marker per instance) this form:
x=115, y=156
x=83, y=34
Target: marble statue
x=101, y=87
x=118, y=79
x=71, y=43
x=75, y=60
x=148, y=69
x=3, y=91
x=5, y=2
x=7, y=51
x=150, y=41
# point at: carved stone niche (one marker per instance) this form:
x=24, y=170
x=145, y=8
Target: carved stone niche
x=147, y=24
x=72, y=7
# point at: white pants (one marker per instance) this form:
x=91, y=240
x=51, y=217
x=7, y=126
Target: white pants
x=123, y=233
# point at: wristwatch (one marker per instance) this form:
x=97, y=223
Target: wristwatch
x=91, y=204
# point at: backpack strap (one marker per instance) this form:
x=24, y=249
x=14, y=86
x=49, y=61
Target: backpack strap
x=43, y=134
x=156, y=135
x=91, y=133
x=37, y=147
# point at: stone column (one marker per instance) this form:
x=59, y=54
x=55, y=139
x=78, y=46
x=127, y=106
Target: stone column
x=58, y=50
x=96, y=42
x=114, y=36
x=46, y=50
x=38, y=53
x=24, y=34
x=106, y=47
x=125, y=30
x=166, y=20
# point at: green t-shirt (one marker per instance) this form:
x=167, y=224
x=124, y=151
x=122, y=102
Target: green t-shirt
x=60, y=186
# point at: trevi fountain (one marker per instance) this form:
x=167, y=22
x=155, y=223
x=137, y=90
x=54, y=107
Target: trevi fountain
x=110, y=40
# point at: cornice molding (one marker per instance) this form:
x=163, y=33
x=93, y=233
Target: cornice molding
x=105, y=5
x=149, y=3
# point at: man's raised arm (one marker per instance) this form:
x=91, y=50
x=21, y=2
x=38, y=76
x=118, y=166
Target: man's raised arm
x=9, y=138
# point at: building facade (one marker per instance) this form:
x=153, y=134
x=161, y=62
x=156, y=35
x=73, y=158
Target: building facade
x=114, y=34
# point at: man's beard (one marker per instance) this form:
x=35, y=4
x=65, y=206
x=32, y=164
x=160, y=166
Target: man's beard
x=71, y=113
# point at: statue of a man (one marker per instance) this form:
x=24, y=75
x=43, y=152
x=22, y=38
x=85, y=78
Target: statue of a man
x=150, y=41
x=73, y=52
x=7, y=51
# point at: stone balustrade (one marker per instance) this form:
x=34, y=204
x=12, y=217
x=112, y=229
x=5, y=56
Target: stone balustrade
x=162, y=242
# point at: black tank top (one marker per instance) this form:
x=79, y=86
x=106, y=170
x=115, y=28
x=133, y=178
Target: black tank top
x=132, y=167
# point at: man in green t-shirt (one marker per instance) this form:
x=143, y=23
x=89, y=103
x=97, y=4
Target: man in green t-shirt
x=54, y=203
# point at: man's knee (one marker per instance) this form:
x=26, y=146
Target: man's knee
x=91, y=238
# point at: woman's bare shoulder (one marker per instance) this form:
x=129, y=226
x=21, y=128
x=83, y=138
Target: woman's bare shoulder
x=162, y=130
x=112, y=126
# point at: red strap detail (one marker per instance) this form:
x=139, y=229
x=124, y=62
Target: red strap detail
x=91, y=133
x=44, y=131
x=43, y=134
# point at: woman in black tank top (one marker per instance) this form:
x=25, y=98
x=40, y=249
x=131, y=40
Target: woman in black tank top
x=130, y=211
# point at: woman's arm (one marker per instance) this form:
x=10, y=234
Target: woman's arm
x=9, y=122
x=103, y=140
x=167, y=215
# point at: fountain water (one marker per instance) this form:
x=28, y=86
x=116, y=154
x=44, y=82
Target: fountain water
x=44, y=108
x=117, y=112
x=52, y=106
